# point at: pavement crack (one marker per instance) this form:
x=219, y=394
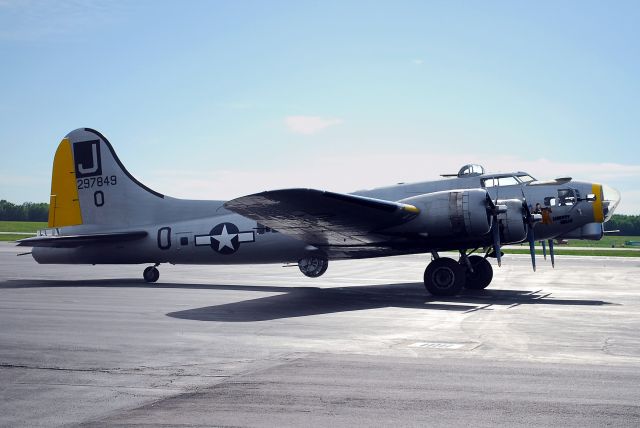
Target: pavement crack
x=65, y=369
x=144, y=371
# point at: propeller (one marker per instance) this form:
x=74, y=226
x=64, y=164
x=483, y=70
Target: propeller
x=530, y=220
x=493, y=209
x=551, y=253
x=495, y=233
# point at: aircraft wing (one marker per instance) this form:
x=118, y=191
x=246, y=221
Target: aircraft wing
x=323, y=218
x=71, y=241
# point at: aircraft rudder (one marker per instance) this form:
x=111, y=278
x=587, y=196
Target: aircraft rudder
x=64, y=203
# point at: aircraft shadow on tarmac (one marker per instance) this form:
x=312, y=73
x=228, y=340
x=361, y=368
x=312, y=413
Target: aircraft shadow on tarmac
x=305, y=301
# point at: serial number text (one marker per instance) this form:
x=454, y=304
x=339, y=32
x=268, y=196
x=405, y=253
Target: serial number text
x=88, y=183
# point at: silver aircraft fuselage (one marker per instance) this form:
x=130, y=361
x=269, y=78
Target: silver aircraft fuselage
x=197, y=241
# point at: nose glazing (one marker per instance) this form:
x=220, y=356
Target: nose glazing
x=610, y=201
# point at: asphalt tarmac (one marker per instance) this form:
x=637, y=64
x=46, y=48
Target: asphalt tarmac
x=363, y=345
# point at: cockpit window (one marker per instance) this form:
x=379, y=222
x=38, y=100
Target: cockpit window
x=525, y=178
x=566, y=197
x=507, y=181
x=500, y=181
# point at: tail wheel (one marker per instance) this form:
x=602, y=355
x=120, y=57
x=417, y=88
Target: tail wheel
x=151, y=274
x=482, y=273
x=313, y=267
x=444, y=277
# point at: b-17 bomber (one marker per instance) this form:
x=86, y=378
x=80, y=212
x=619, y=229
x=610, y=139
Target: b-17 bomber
x=100, y=214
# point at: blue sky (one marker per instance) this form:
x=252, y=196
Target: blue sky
x=217, y=99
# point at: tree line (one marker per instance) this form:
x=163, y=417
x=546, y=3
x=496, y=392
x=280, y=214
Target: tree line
x=629, y=225
x=28, y=211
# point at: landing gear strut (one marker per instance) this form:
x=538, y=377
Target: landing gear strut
x=151, y=273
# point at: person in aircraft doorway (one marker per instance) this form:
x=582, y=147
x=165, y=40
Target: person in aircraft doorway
x=538, y=209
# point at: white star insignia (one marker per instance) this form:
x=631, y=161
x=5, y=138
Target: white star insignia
x=224, y=239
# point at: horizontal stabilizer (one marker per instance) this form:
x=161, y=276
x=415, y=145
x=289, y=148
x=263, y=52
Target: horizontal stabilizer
x=71, y=241
x=323, y=218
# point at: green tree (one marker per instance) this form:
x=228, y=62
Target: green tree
x=629, y=225
x=28, y=211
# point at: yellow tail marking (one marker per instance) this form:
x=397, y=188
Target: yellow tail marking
x=64, y=207
x=598, y=213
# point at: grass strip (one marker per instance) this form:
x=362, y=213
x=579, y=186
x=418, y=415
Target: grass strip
x=594, y=252
x=12, y=237
x=22, y=226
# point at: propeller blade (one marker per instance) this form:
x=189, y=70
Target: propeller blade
x=544, y=249
x=532, y=246
x=495, y=230
x=530, y=220
x=493, y=209
x=553, y=259
x=490, y=202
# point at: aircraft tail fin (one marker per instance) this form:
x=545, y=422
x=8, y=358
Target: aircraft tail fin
x=90, y=186
x=64, y=204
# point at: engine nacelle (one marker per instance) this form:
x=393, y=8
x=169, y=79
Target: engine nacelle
x=449, y=213
x=512, y=227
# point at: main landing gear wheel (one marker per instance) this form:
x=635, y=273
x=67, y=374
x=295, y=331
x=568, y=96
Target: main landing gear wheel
x=482, y=273
x=151, y=274
x=313, y=267
x=444, y=277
